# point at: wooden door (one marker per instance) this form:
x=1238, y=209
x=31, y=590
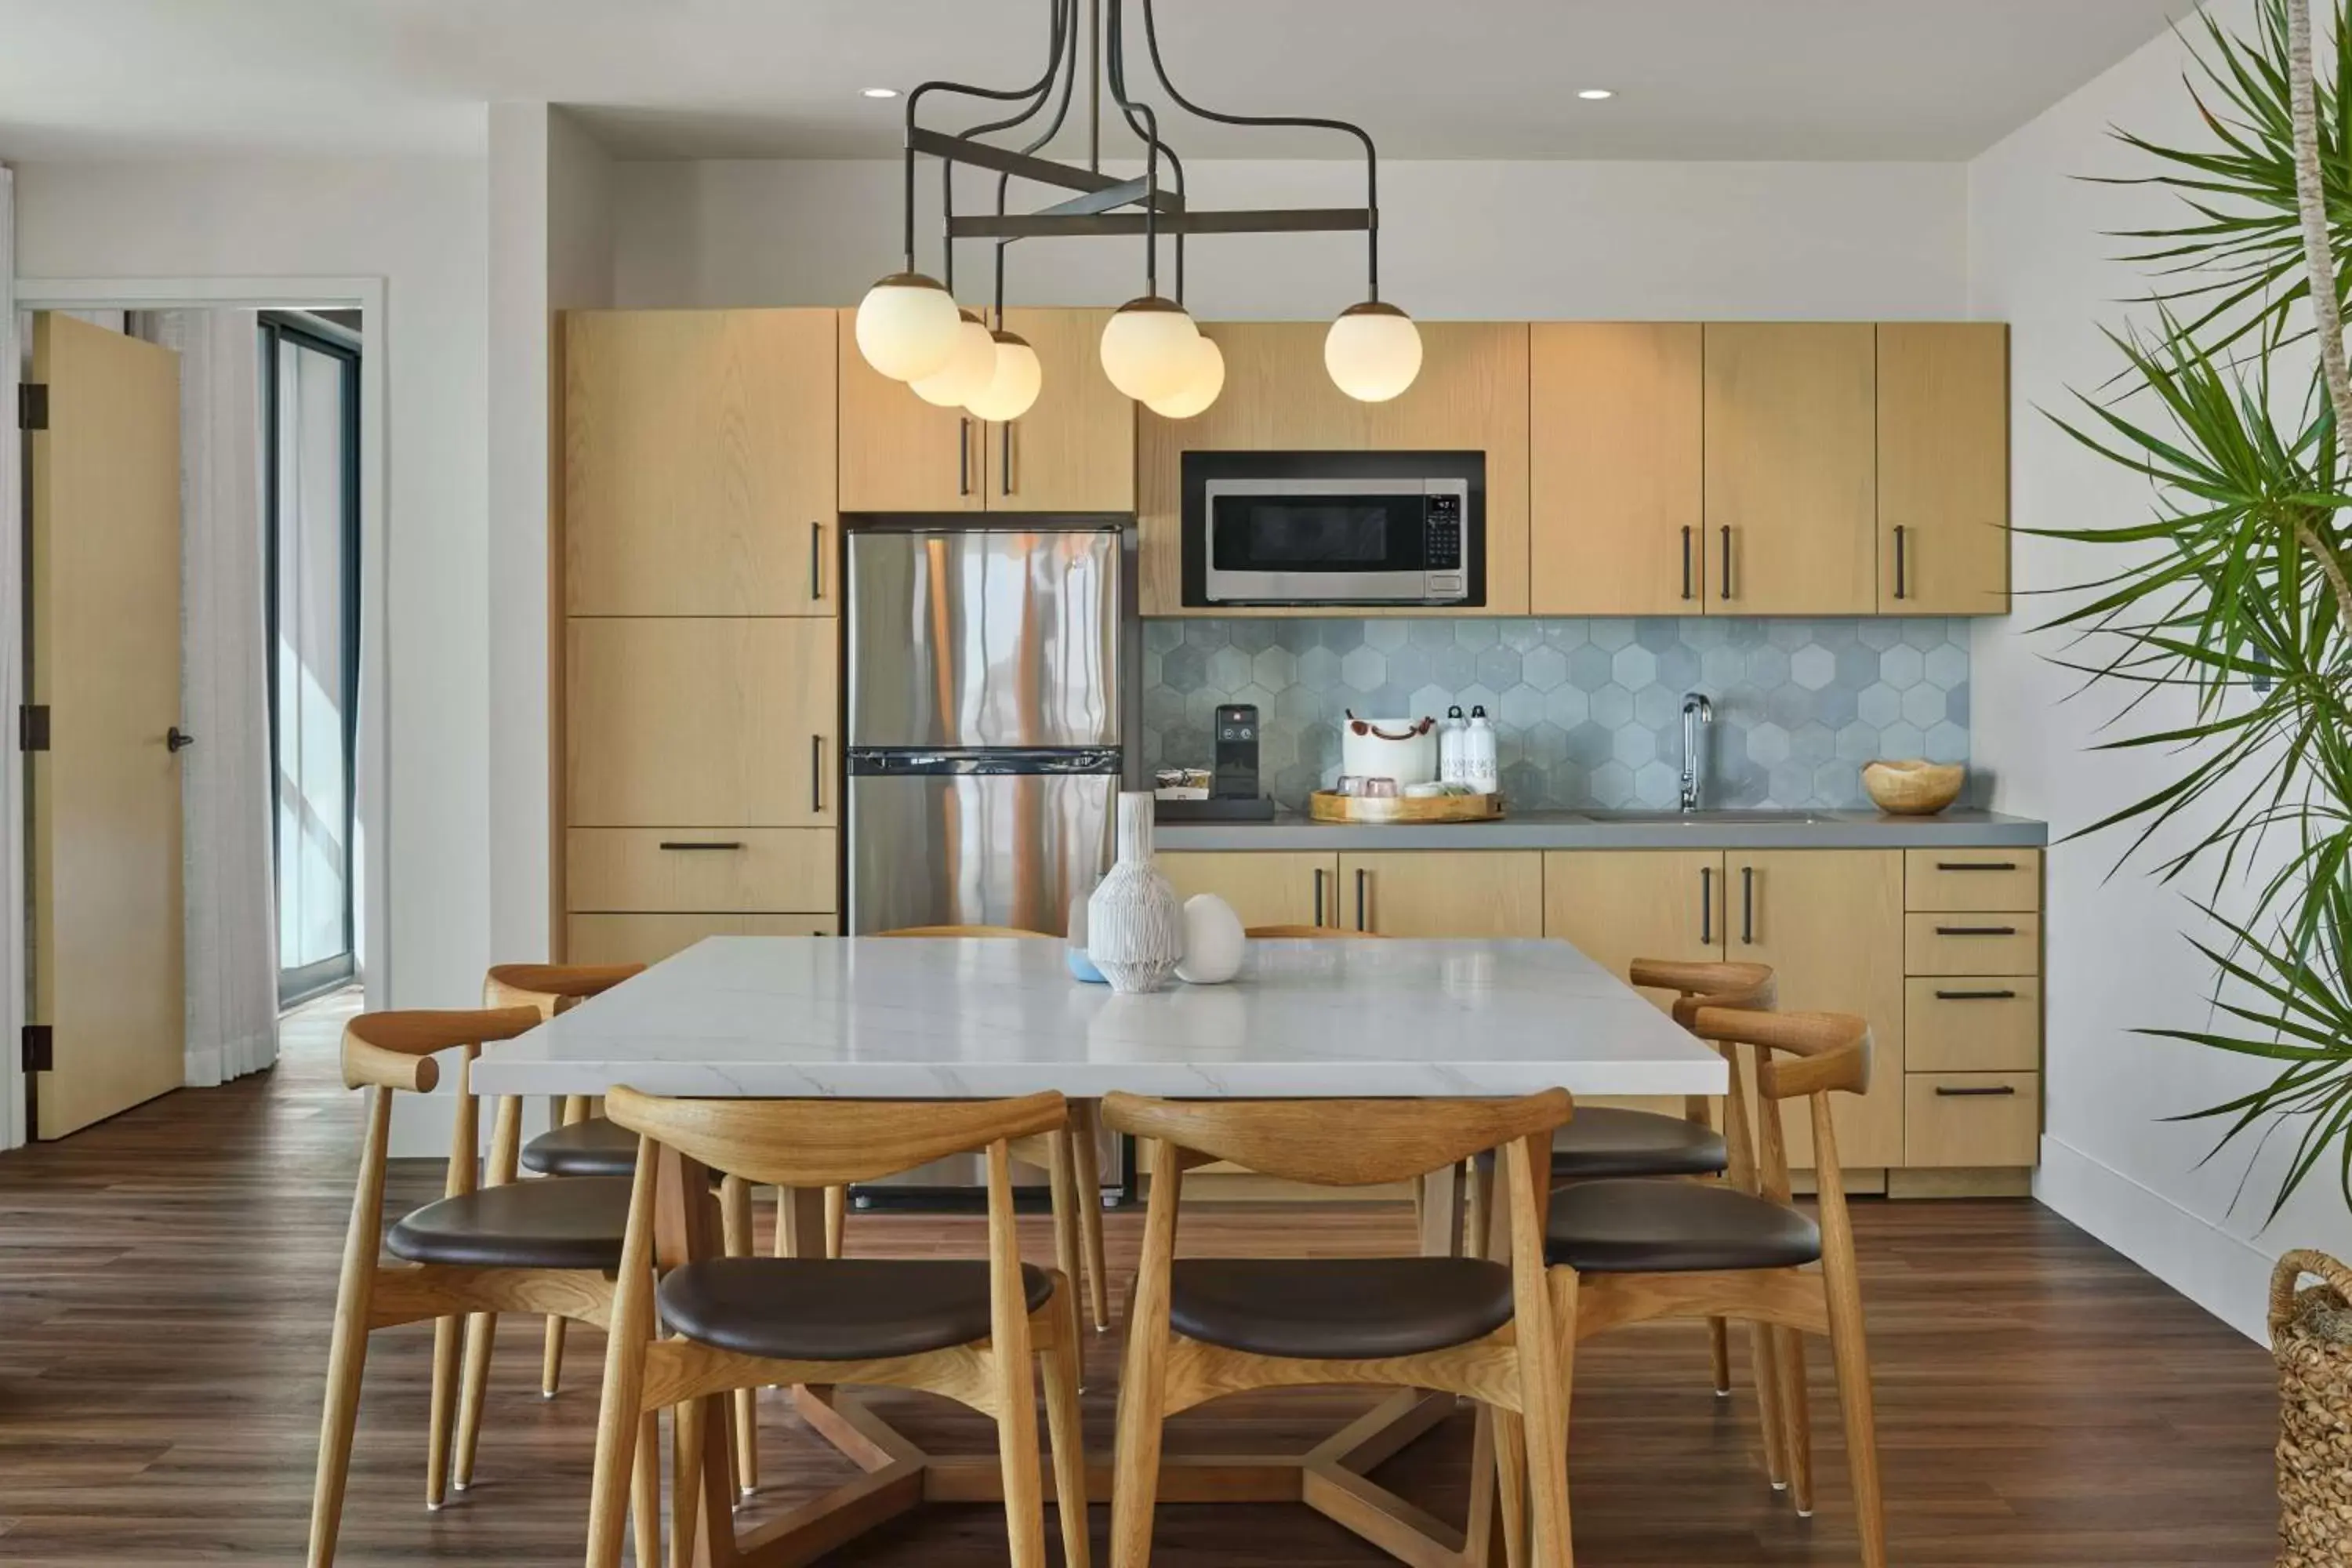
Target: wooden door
x=899, y=453
x=1444, y=892
x=1074, y=450
x=1829, y=922
x=1791, y=465
x=1943, y=468
x=1616, y=469
x=104, y=604
x=1617, y=905
x=716, y=723
x=698, y=456
x=1266, y=887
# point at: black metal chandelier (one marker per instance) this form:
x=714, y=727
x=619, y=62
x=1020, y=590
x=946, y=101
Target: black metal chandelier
x=910, y=329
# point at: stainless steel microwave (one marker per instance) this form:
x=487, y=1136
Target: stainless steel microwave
x=1334, y=528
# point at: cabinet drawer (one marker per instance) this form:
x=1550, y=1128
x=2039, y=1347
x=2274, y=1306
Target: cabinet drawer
x=700, y=869
x=650, y=939
x=1972, y=1119
x=1988, y=944
x=1972, y=879
x=1960, y=1024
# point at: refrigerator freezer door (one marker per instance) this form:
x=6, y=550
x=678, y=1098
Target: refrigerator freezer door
x=975, y=849
x=984, y=637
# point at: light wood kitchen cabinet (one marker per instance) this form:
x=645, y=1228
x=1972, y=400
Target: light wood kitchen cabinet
x=2007, y=943
x=1265, y=887
x=719, y=723
x=1943, y=468
x=1829, y=922
x=699, y=454
x=1617, y=905
x=1616, y=469
x=690, y=870
x=1471, y=395
x=899, y=453
x=1973, y=1118
x=1966, y=881
x=1443, y=894
x=1791, y=467
x=1074, y=450
x=1972, y=1022
x=650, y=938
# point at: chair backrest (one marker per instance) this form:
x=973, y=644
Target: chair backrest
x=1707, y=983
x=964, y=930
x=1339, y=1142
x=828, y=1142
x=394, y=1050
x=1309, y=932
x=552, y=987
x=1831, y=1053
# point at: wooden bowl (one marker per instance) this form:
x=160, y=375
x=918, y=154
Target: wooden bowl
x=1913, y=788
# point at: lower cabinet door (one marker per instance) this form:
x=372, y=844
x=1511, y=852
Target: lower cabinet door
x=648, y=939
x=1974, y=1119
x=1266, y=887
x=1617, y=905
x=1444, y=892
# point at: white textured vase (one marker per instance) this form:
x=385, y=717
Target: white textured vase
x=1135, y=923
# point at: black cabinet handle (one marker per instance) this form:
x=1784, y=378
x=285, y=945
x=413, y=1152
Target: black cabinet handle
x=816, y=773
x=1318, y=896
x=1950, y=1092
x=1687, y=561
x=1899, y=561
x=1976, y=930
x=702, y=844
x=1976, y=864
x=817, y=561
x=1706, y=906
x=1724, y=588
x=963, y=456
x=176, y=740
x=1005, y=430
x=1363, y=877
x=1747, y=905
x=1976, y=995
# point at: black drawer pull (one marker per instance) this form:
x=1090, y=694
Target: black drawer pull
x=1687, y=561
x=1976, y=995
x=1976, y=864
x=702, y=844
x=1706, y=906
x=1976, y=930
x=1988, y=1091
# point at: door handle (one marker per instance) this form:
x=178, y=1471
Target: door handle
x=1706, y=906
x=702, y=844
x=1363, y=877
x=1724, y=588
x=816, y=773
x=1747, y=905
x=817, y=561
x=1687, y=561
x=1005, y=430
x=1319, y=895
x=1899, y=563
x=176, y=740
x=1949, y=1091
x=1976, y=930
x=963, y=456
x=1976, y=995
x=1976, y=864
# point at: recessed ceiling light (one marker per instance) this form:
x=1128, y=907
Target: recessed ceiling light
x=887, y=92
x=1595, y=94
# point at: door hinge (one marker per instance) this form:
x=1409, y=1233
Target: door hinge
x=32, y=727
x=40, y=1048
x=32, y=405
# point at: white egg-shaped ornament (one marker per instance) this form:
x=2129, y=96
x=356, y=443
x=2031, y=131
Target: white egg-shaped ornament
x=1214, y=942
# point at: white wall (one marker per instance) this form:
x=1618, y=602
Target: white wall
x=2117, y=954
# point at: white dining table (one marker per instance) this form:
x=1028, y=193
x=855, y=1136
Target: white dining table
x=975, y=1018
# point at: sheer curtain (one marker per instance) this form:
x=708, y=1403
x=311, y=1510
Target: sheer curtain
x=226, y=871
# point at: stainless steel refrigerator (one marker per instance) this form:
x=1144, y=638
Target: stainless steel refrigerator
x=988, y=726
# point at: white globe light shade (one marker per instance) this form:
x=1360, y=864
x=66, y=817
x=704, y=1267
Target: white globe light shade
x=968, y=368
x=1373, y=352
x=1208, y=380
x=1013, y=386
x=907, y=326
x=1147, y=348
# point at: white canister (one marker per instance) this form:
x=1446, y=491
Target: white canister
x=1478, y=753
x=1404, y=750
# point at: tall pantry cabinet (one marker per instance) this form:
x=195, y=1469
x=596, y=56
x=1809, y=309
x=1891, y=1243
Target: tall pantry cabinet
x=700, y=699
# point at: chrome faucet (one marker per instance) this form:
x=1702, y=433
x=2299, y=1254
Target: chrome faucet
x=1698, y=719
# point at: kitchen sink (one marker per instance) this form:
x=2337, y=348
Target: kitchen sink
x=1705, y=818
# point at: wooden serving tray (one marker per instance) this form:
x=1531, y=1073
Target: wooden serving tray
x=1328, y=807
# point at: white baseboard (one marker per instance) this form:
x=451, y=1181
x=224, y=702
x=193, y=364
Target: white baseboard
x=2227, y=1275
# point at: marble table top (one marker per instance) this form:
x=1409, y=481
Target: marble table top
x=962, y=1018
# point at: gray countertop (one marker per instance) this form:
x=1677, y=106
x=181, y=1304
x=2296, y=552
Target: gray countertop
x=1607, y=830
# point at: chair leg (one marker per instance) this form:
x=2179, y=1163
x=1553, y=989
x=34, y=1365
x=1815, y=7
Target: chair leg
x=1544, y=1403
x=1063, y=1176
x=481, y=1334
x=623, y=1444
x=686, y=1425
x=1796, y=1418
x=551, y=1360
x=346, y=1363
x=645, y=1492
x=1511, y=1484
x=1135, y=1472
x=446, y=1348
x=1766, y=1368
x=1852, y=1354
x=837, y=1220
x=1718, y=1340
x=735, y=1223
x=1017, y=1449
x=1064, y=1429
x=1085, y=1124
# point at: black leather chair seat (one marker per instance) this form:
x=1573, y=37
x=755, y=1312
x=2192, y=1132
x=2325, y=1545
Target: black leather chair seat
x=816, y=1308
x=592, y=1148
x=522, y=1224
x=1673, y=1228
x=1337, y=1309
x=1604, y=1141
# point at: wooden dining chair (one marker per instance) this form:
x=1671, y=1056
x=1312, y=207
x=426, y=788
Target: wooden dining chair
x=965, y=1330
x=1077, y=1212
x=530, y=1247
x=1644, y=1250
x=1202, y=1328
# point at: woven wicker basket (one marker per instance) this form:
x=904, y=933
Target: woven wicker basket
x=2311, y=1335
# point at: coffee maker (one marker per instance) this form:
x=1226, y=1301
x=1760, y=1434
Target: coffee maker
x=1235, y=793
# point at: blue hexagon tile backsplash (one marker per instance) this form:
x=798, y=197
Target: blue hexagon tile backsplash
x=1587, y=712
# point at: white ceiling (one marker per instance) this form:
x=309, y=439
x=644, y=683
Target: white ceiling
x=1430, y=79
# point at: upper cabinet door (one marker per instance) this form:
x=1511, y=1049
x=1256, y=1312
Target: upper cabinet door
x=1791, y=468
x=1471, y=395
x=1074, y=450
x=1617, y=469
x=699, y=458
x=899, y=453
x=1943, y=468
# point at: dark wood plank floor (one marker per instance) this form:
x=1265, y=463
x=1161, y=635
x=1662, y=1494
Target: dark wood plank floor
x=165, y=1282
